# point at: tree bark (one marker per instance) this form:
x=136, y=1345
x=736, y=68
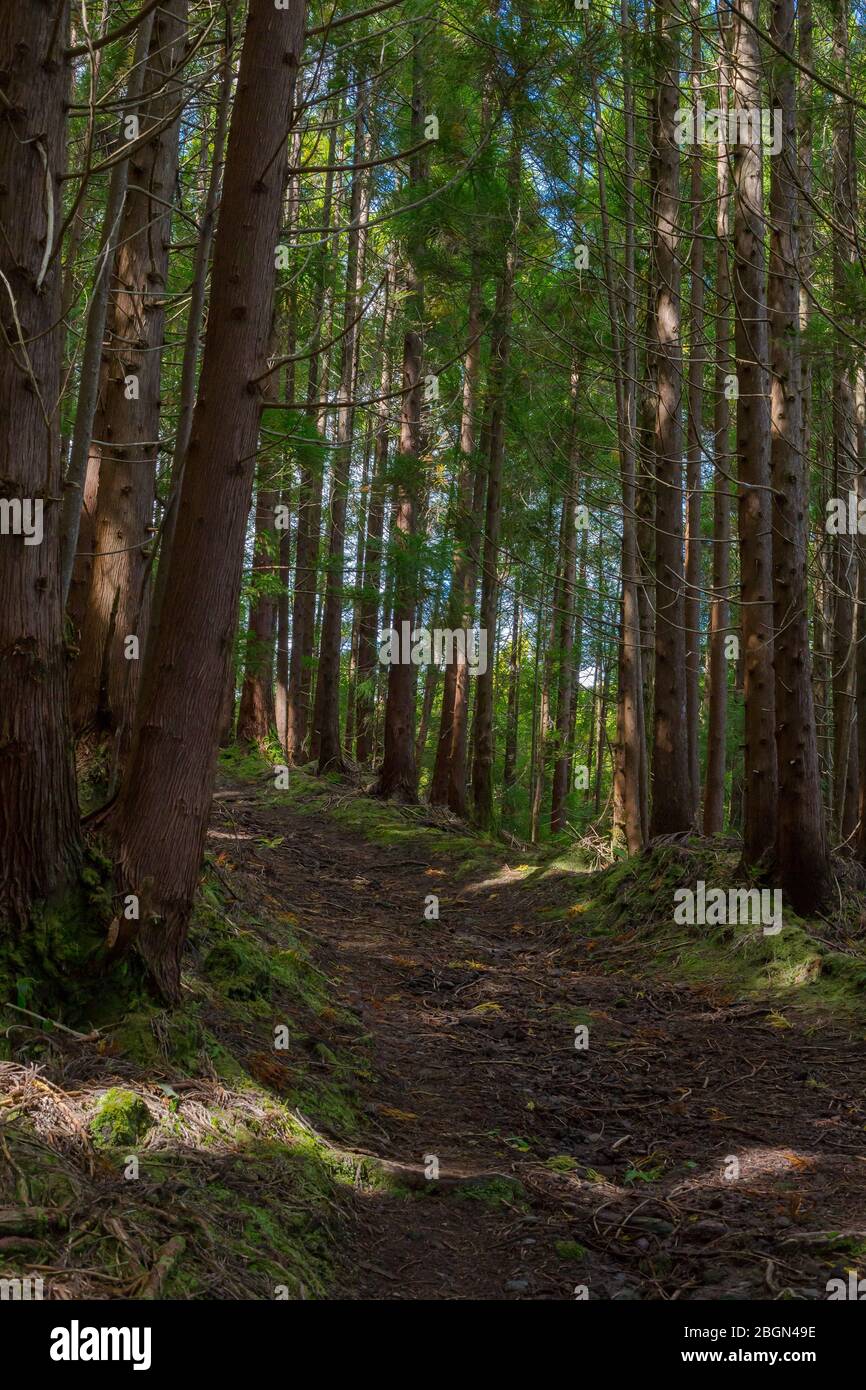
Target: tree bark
x=449, y=767
x=257, y=711
x=672, y=800
x=509, y=774
x=630, y=820
x=720, y=608
x=161, y=818
x=398, y=775
x=844, y=443
x=91, y=361
x=38, y=807
x=309, y=523
x=368, y=664
x=753, y=447
x=500, y=349
x=358, y=596
x=694, y=436
x=801, y=837
x=565, y=626
x=105, y=679
x=189, y=367
x=327, y=705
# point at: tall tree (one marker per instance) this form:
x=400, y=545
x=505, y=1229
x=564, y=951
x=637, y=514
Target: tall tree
x=398, y=775
x=671, y=784
x=161, y=818
x=844, y=252
x=94, y=332
x=126, y=426
x=694, y=430
x=327, y=708
x=500, y=351
x=368, y=654
x=448, y=786
x=564, y=626
x=720, y=608
x=753, y=441
x=38, y=808
x=309, y=523
x=801, y=839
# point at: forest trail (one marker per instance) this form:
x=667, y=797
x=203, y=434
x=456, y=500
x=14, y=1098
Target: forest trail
x=561, y=1169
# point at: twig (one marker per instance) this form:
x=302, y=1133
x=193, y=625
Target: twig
x=82, y=1037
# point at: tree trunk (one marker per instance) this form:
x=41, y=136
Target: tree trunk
x=844, y=441
x=327, y=706
x=801, y=839
x=602, y=734
x=672, y=800
x=753, y=447
x=500, y=348
x=94, y=333
x=431, y=680
x=630, y=821
x=189, y=367
x=105, y=679
x=309, y=523
x=162, y=814
x=38, y=808
x=860, y=419
x=257, y=712
x=544, y=729
x=398, y=775
x=509, y=774
x=368, y=655
x=694, y=435
x=720, y=609
x=451, y=746
x=565, y=626
x=282, y=661
x=358, y=596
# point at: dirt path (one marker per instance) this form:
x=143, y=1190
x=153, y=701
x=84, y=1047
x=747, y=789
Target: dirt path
x=601, y=1168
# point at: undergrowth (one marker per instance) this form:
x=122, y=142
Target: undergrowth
x=427, y=829
x=183, y=1153
x=175, y=1153
x=623, y=919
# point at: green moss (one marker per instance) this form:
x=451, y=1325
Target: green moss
x=184, y=1283
x=225, y=1065
x=380, y=822
x=493, y=1192
x=120, y=1119
x=239, y=968
x=295, y=972
x=791, y=968
x=57, y=967
x=329, y=1105
x=154, y=1037
x=247, y=764
x=255, y=1194
x=570, y=1250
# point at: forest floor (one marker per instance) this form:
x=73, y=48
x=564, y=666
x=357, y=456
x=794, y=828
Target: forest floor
x=562, y=1167
x=705, y=1138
